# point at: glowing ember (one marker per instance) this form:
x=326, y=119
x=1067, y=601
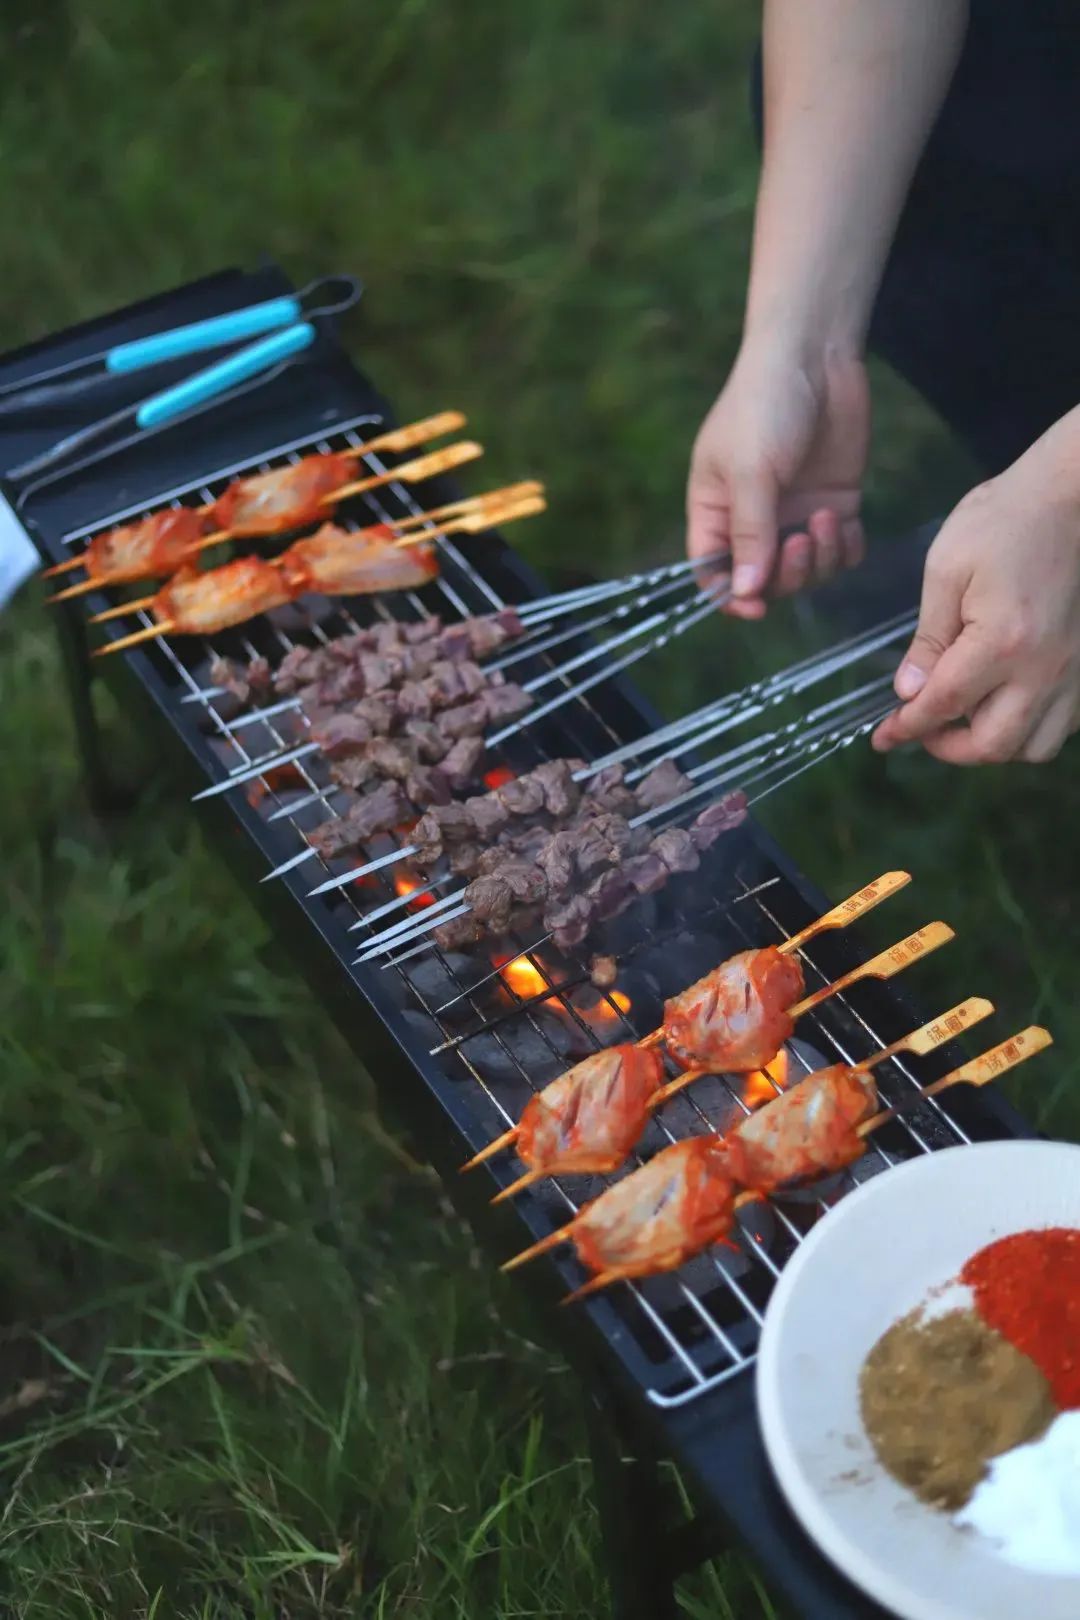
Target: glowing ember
x=406, y=883
x=498, y=776
x=761, y=1084
x=609, y=1007
x=522, y=976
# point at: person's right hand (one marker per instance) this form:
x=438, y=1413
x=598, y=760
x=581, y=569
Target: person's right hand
x=784, y=447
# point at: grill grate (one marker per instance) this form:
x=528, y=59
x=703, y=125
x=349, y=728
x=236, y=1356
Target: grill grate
x=686, y=1334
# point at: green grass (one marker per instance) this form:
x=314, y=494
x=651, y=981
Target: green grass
x=250, y=1364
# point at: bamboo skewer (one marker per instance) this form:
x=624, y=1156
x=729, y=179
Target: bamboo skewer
x=921, y=1041
x=838, y=916
x=936, y=1033
x=977, y=1072
x=471, y=523
x=395, y=440
x=509, y=492
x=496, y=506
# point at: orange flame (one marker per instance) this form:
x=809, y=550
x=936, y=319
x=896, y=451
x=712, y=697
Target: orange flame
x=522, y=976
x=761, y=1084
x=609, y=1007
x=498, y=776
x=405, y=883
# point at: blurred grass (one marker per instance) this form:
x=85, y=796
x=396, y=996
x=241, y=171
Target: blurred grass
x=250, y=1365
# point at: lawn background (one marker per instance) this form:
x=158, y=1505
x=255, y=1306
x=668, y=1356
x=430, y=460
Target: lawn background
x=250, y=1365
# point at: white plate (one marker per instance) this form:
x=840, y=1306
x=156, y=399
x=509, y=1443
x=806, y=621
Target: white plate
x=868, y=1262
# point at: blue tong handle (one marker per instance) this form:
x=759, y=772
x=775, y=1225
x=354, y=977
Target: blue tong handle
x=217, y=379
x=222, y=379
x=209, y=334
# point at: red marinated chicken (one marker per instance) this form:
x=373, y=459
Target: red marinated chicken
x=590, y=1117
x=679, y=1203
x=736, y=1017
x=340, y=563
x=156, y=545
x=287, y=498
x=198, y=604
x=810, y=1130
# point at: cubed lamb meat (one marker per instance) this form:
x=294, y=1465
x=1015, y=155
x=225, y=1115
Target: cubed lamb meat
x=378, y=712
x=355, y=771
x=676, y=848
x=609, y=790
x=427, y=739
x=556, y=782
x=488, y=816
x=723, y=816
x=342, y=734
x=568, y=921
x=376, y=812
x=663, y=783
x=414, y=700
x=426, y=785
x=462, y=760
x=464, y=720
x=522, y=795
x=503, y=703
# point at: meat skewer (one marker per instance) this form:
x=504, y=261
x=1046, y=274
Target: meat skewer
x=223, y=597
x=745, y=1003
x=591, y=1117
x=747, y=1030
x=685, y=1199
x=156, y=546
x=268, y=503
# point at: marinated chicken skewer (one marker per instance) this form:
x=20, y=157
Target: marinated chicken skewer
x=589, y=1119
x=158, y=545
x=267, y=503
x=685, y=1199
x=201, y=603
x=576, y=1082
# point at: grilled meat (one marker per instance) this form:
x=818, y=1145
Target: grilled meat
x=375, y=812
x=809, y=1130
x=588, y=1119
x=287, y=498
x=736, y=1017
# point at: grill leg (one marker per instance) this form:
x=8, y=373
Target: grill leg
x=634, y=1519
x=101, y=789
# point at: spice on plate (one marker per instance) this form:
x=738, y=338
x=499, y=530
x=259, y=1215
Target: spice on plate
x=1027, y=1286
x=940, y=1397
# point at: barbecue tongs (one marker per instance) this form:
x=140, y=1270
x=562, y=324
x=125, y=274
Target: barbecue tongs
x=225, y=379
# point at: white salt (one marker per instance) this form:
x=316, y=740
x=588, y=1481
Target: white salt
x=1029, y=1502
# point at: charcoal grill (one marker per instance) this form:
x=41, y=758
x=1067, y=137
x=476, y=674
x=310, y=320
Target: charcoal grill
x=459, y=1045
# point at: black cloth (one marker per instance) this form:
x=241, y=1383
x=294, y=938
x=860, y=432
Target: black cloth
x=979, y=306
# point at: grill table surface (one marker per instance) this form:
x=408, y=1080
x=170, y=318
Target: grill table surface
x=686, y=1393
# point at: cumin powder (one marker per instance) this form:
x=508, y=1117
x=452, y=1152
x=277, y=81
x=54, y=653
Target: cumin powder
x=940, y=1397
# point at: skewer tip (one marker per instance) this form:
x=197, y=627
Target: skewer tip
x=552, y=1241
x=505, y=1140
x=529, y=1179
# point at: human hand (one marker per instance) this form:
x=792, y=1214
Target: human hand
x=784, y=446
x=998, y=642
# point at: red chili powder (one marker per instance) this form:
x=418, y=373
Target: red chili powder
x=1027, y=1286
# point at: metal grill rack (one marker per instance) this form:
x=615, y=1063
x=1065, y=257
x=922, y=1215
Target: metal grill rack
x=457, y=1048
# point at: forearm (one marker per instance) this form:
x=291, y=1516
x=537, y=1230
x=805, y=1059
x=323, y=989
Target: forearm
x=852, y=88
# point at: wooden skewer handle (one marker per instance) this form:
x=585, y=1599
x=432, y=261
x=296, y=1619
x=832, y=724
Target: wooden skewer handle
x=937, y=1032
x=437, y=461
x=884, y=965
x=979, y=1071
x=405, y=438
x=848, y=910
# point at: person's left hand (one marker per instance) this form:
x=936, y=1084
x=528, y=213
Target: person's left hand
x=998, y=642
